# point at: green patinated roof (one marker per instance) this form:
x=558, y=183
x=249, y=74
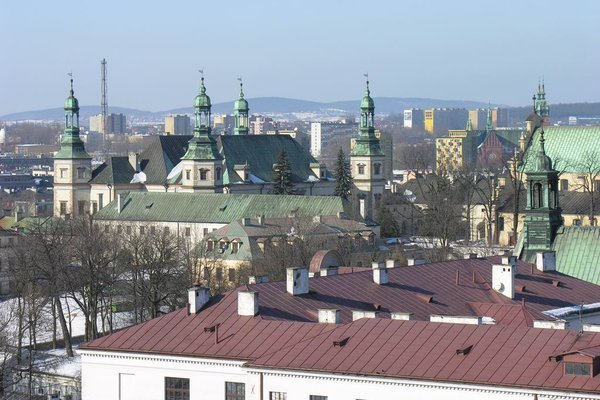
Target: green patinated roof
x=117, y=170
x=578, y=252
x=261, y=152
x=566, y=146
x=218, y=207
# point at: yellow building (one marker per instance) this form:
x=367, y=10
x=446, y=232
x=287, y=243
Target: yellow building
x=439, y=120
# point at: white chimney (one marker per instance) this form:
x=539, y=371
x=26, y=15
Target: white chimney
x=456, y=319
x=261, y=220
x=358, y=314
x=558, y=324
x=380, y=273
x=247, y=303
x=404, y=316
x=328, y=271
x=197, y=297
x=508, y=258
x=329, y=316
x=134, y=161
x=470, y=256
x=545, y=261
x=389, y=263
x=415, y=261
x=503, y=280
x=297, y=281
x=256, y=279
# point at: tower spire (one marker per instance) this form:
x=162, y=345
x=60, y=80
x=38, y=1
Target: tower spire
x=240, y=113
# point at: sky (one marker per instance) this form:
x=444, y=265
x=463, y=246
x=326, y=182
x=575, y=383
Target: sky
x=311, y=50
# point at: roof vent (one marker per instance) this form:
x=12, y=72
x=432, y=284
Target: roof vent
x=555, y=282
x=341, y=343
x=464, y=350
x=424, y=297
x=329, y=316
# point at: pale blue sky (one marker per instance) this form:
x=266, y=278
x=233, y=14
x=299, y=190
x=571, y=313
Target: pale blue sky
x=313, y=50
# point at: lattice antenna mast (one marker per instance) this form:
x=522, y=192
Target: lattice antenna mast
x=104, y=102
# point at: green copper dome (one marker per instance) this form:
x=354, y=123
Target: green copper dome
x=241, y=104
x=367, y=101
x=542, y=162
x=202, y=100
x=71, y=103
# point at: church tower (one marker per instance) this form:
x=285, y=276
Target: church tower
x=541, y=106
x=542, y=212
x=240, y=113
x=367, y=160
x=202, y=164
x=72, y=166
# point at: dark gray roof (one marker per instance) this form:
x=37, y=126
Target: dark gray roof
x=114, y=171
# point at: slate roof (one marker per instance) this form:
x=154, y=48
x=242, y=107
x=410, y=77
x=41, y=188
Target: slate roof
x=218, y=207
x=565, y=145
x=161, y=156
x=578, y=252
x=116, y=170
x=261, y=152
x=495, y=354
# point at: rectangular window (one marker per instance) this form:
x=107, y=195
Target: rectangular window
x=153, y=230
x=128, y=229
x=277, y=396
x=100, y=200
x=204, y=232
x=94, y=207
x=80, y=173
x=188, y=174
x=576, y=222
x=564, y=184
x=235, y=391
x=63, y=172
x=166, y=230
x=177, y=388
x=206, y=273
x=219, y=273
x=578, y=369
x=218, y=174
x=188, y=231
x=231, y=274
x=63, y=208
x=235, y=246
x=203, y=174
x=501, y=224
x=142, y=230
x=317, y=397
x=81, y=207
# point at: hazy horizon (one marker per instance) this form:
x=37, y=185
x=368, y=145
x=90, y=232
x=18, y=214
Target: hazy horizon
x=315, y=51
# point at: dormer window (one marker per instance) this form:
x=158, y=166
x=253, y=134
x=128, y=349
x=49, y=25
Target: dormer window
x=578, y=369
x=203, y=174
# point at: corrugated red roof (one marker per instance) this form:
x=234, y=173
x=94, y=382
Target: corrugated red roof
x=499, y=355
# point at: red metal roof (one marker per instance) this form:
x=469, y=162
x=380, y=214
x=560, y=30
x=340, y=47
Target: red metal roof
x=500, y=355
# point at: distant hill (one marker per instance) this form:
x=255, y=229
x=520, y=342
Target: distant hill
x=280, y=105
x=259, y=105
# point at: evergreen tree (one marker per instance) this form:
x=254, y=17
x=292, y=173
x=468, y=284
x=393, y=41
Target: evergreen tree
x=282, y=177
x=343, y=176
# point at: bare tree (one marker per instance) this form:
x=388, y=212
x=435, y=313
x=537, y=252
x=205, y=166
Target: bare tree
x=589, y=179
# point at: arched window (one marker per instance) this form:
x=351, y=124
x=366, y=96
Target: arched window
x=377, y=169
x=536, y=201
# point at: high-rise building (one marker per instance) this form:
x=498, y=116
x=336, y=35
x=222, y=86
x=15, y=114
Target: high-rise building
x=178, y=125
x=322, y=132
x=115, y=123
x=413, y=118
x=439, y=120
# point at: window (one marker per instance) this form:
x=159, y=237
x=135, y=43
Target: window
x=166, y=230
x=231, y=274
x=142, y=230
x=204, y=232
x=218, y=173
x=188, y=231
x=576, y=222
x=128, y=229
x=203, y=174
x=81, y=207
x=578, y=369
x=235, y=246
x=564, y=184
x=63, y=208
x=94, y=207
x=177, y=388
x=153, y=230
x=361, y=169
x=63, y=172
x=100, y=200
x=219, y=273
x=277, y=396
x=377, y=169
x=210, y=245
x=235, y=391
x=317, y=397
x=188, y=173
x=80, y=173
x=501, y=224
x=206, y=272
